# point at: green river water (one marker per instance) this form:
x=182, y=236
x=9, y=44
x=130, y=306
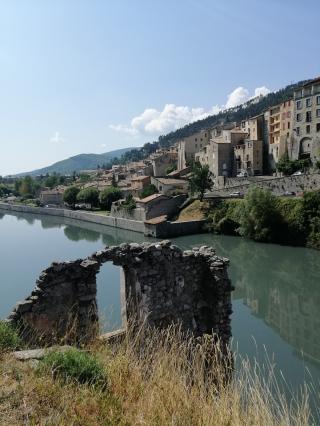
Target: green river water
x=275, y=305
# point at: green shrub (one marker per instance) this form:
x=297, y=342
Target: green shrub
x=9, y=339
x=148, y=190
x=74, y=365
x=108, y=196
x=259, y=217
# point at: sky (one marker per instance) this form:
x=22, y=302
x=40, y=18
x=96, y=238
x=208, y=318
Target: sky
x=80, y=76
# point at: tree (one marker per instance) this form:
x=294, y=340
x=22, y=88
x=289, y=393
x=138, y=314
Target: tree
x=26, y=187
x=51, y=181
x=201, y=179
x=89, y=196
x=70, y=195
x=148, y=190
x=170, y=169
x=108, y=196
x=259, y=217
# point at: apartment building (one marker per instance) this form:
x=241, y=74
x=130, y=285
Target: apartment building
x=189, y=146
x=280, y=119
x=306, y=123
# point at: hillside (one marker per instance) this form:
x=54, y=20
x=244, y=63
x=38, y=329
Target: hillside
x=79, y=162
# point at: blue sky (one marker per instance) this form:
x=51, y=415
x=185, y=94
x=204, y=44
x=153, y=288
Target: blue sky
x=96, y=75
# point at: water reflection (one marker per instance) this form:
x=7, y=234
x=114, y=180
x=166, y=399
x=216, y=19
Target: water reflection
x=279, y=284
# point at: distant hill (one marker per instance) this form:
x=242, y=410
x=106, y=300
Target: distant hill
x=78, y=162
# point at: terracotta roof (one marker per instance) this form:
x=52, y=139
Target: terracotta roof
x=139, y=178
x=171, y=181
x=151, y=198
x=156, y=220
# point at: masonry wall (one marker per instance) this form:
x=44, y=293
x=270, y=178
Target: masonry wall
x=163, y=285
x=278, y=185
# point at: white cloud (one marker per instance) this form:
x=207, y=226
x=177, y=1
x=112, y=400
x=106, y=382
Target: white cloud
x=261, y=91
x=237, y=97
x=57, y=138
x=103, y=145
x=154, y=122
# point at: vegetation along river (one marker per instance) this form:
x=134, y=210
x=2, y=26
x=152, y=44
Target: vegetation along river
x=275, y=305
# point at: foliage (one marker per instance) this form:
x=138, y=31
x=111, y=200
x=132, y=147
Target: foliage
x=26, y=187
x=108, y=196
x=4, y=190
x=70, y=195
x=259, y=218
x=89, y=196
x=288, y=167
x=170, y=169
x=201, y=179
x=9, y=339
x=148, y=190
x=51, y=181
x=129, y=204
x=74, y=365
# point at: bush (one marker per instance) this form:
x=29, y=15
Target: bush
x=259, y=217
x=9, y=339
x=74, y=365
x=148, y=190
x=70, y=195
x=89, y=196
x=108, y=196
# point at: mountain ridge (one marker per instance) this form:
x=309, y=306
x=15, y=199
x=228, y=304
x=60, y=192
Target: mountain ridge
x=77, y=162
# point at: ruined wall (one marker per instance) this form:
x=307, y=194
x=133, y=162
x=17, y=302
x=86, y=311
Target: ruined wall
x=163, y=285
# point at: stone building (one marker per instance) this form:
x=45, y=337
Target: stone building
x=249, y=157
x=219, y=153
x=150, y=207
x=170, y=186
x=162, y=159
x=51, y=196
x=188, y=147
x=138, y=183
x=306, y=123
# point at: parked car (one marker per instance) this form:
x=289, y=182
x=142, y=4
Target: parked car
x=288, y=193
x=235, y=194
x=298, y=173
x=242, y=174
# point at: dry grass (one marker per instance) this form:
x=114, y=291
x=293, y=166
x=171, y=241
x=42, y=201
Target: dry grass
x=166, y=381
x=195, y=211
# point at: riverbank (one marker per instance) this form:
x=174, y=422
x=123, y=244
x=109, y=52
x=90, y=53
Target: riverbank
x=169, y=382
x=163, y=229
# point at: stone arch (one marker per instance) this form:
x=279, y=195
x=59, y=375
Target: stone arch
x=305, y=148
x=163, y=284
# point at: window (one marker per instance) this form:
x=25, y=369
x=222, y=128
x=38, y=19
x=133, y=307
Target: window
x=299, y=104
x=308, y=102
x=205, y=135
x=318, y=127
x=318, y=112
x=288, y=124
x=195, y=139
x=308, y=116
x=318, y=100
x=299, y=117
x=298, y=131
x=308, y=128
x=289, y=114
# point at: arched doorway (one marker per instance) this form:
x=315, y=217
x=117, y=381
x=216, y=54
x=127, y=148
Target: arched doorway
x=305, y=148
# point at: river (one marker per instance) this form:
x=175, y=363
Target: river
x=275, y=305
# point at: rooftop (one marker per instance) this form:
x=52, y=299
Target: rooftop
x=170, y=181
x=151, y=198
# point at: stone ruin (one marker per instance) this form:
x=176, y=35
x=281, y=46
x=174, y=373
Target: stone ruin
x=161, y=285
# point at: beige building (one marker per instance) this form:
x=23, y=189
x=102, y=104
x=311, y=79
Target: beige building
x=280, y=119
x=162, y=159
x=219, y=153
x=249, y=157
x=189, y=146
x=138, y=183
x=306, y=123
x=170, y=186
x=51, y=196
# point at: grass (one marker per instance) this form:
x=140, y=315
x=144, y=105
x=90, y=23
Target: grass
x=9, y=339
x=74, y=365
x=164, y=378
x=195, y=211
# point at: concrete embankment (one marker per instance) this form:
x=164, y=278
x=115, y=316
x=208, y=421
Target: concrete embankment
x=163, y=230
